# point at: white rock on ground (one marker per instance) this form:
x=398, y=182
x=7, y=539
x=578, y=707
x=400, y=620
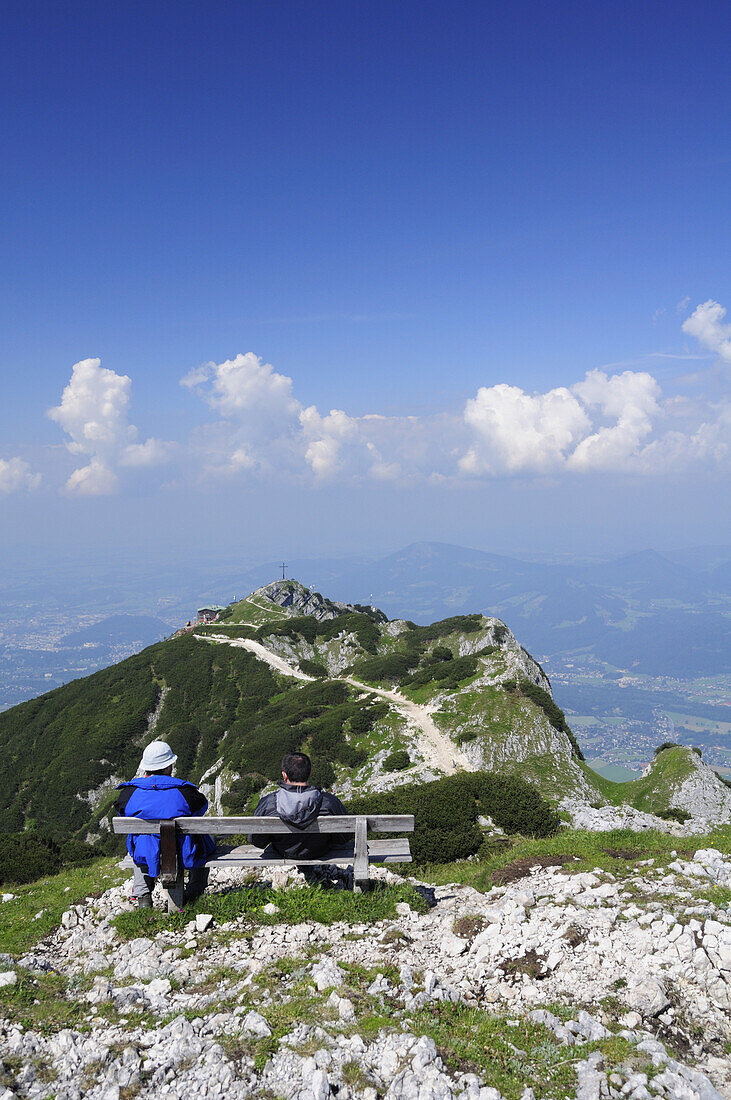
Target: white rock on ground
x=653, y=964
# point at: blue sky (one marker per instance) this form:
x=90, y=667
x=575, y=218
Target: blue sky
x=386, y=210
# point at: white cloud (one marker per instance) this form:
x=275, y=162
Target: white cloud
x=706, y=324
x=150, y=453
x=265, y=429
x=96, y=479
x=93, y=409
x=16, y=474
x=243, y=385
x=261, y=427
x=381, y=470
x=516, y=431
x=604, y=423
x=323, y=437
x=631, y=399
x=94, y=414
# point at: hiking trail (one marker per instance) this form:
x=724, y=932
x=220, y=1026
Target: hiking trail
x=438, y=750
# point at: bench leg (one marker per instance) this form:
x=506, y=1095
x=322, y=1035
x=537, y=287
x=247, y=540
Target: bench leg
x=174, y=894
x=361, y=881
x=171, y=868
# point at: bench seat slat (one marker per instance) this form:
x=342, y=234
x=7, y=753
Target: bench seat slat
x=220, y=826
x=395, y=850
x=379, y=851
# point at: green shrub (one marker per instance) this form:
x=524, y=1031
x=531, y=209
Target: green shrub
x=393, y=668
x=325, y=695
x=444, y=846
x=446, y=811
x=304, y=626
x=323, y=773
x=448, y=674
x=666, y=745
x=515, y=805
x=351, y=756
x=312, y=668
x=439, y=653
x=372, y=612
x=240, y=795
x=397, y=761
x=365, y=718
x=500, y=633
x=25, y=857
x=456, y=624
x=76, y=851
x=674, y=814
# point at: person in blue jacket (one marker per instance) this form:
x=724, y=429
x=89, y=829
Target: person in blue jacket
x=157, y=794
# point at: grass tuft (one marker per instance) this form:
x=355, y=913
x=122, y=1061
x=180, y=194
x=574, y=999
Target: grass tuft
x=512, y=1055
x=296, y=906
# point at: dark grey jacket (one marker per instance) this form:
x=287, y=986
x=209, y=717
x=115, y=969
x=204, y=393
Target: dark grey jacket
x=299, y=806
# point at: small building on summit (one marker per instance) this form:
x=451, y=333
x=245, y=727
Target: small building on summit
x=209, y=614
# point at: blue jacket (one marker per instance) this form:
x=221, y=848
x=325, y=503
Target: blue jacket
x=154, y=797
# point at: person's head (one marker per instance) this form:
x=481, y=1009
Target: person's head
x=157, y=759
x=296, y=767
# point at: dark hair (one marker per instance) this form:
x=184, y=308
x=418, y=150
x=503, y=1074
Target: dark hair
x=297, y=766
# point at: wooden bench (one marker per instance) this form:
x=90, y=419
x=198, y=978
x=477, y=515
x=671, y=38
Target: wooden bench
x=360, y=852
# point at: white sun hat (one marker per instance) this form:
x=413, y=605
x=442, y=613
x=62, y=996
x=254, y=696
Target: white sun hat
x=157, y=756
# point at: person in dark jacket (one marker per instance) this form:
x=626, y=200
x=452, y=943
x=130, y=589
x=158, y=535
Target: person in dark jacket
x=154, y=795
x=299, y=804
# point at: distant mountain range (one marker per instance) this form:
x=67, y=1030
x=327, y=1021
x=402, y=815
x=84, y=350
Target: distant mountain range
x=655, y=614
x=641, y=612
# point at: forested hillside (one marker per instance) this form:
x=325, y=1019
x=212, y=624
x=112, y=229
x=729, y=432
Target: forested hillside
x=63, y=746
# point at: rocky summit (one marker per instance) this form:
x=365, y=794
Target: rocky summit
x=553, y=983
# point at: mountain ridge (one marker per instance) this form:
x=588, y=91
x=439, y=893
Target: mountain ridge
x=342, y=681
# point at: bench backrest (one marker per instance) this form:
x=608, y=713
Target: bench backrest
x=220, y=826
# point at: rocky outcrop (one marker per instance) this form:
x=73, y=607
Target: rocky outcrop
x=703, y=795
x=295, y=599
x=678, y=779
